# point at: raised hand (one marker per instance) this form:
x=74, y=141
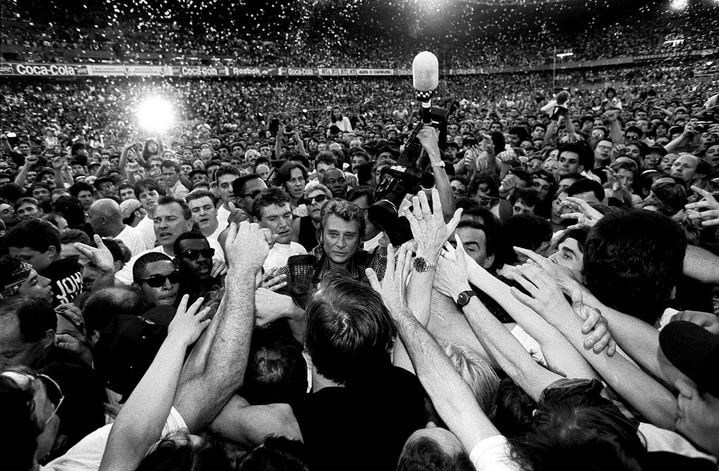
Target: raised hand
x=246, y=247
x=219, y=268
x=392, y=289
x=272, y=281
x=585, y=215
x=706, y=210
x=100, y=256
x=545, y=296
x=188, y=323
x=562, y=275
x=429, y=230
x=451, y=278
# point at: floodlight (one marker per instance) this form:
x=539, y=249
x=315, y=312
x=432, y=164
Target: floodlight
x=679, y=4
x=155, y=114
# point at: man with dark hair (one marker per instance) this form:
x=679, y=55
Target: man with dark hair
x=148, y=193
x=171, y=174
x=84, y=192
x=193, y=256
x=292, y=177
x=336, y=180
x=633, y=261
x=28, y=208
x=574, y=157
x=524, y=201
x=316, y=195
x=363, y=197
x=272, y=210
x=204, y=216
x=586, y=189
x=224, y=177
x=38, y=243
x=246, y=188
x=27, y=338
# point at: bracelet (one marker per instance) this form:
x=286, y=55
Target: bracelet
x=438, y=164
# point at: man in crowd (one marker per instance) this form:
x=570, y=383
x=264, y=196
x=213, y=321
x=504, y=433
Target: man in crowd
x=272, y=210
x=105, y=218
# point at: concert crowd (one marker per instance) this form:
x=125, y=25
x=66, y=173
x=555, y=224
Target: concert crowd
x=321, y=274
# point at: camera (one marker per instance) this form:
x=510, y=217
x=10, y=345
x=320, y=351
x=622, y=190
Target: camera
x=408, y=176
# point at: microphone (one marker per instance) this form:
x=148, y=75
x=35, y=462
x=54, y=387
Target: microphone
x=425, y=78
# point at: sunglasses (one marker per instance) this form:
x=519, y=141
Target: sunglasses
x=24, y=380
x=253, y=194
x=317, y=199
x=194, y=254
x=156, y=281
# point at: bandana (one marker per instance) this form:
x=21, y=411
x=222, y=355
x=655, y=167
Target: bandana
x=12, y=284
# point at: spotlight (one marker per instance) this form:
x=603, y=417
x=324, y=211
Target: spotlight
x=155, y=114
x=679, y=4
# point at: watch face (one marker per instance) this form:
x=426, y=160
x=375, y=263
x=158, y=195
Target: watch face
x=420, y=264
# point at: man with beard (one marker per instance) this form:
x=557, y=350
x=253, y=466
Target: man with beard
x=193, y=256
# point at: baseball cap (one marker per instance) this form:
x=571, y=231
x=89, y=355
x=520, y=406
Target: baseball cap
x=694, y=351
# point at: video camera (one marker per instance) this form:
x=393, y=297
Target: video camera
x=410, y=174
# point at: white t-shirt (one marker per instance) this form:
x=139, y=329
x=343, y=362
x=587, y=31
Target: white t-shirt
x=214, y=241
x=146, y=229
x=223, y=215
x=493, y=454
x=87, y=453
x=279, y=253
x=134, y=241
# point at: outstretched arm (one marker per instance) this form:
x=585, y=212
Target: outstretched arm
x=139, y=424
x=202, y=395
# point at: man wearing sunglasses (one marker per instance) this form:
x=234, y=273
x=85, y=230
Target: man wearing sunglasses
x=246, y=189
x=193, y=256
x=305, y=228
x=157, y=278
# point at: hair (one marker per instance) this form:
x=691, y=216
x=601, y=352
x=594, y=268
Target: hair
x=148, y=185
x=35, y=316
x=284, y=173
x=633, y=260
x=521, y=132
x=197, y=194
x=327, y=157
x=26, y=199
x=189, y=235
x=582, y=149
x=477, y=373
x=529, y=196
x=276, y=370
x=425, y=454
x=349, y=330
x=186, y=212
x=126, y=185
x=579, y=234
x=227, y=170
x=20, y=427
x=585, y=185
x=105, y=304
x=527, y=231
x=79, y=187
x=269, y=197
x=71, y=209
x=171, y=164
x=276, y=453
x=238, y=185
x=33, y=233
x=70, y=236
x=512, y=412
x=490, y=225
x=344, y=210
x=138, y=269
x=567, y=436
x=360, y=192
x=176, y=452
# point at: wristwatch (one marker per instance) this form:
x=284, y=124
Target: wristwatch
x=438, y=164
x=464, y=297
x=421, y=265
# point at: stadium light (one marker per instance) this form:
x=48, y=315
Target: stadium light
x=679, y=4
x=562, y=55
x=155, y=114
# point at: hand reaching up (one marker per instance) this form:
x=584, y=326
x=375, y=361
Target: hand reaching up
x=100, y=256
x=706, y=210
x=188, y=323
x=429, y=230
x=392, y=289
x=246, y=247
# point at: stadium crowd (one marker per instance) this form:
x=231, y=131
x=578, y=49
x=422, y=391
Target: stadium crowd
x=317, y=274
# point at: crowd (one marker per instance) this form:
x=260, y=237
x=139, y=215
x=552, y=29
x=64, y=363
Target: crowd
x=307, y=275
x=132, y=39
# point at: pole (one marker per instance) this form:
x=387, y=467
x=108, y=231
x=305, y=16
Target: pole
x=554, y=68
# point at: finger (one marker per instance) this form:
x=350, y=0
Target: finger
x=202, y=315
x=195, y=306
x=535, y=257
x=277, y=287
x=86, y=250
x=182, y=307
x=454, y=222
x=461, y=254
x=591, y=321
x=424, y=204
x=576, y=295
x=436, y=208
x=373, y=280
x=231, y=235
x=612, y=348
x=519, y=277
x=399, y=262
x=571, y=215
x=601, y=343
x=700, y=191
x=711, y=222
x=524, y=299
x=390, y=259
x=417, y=208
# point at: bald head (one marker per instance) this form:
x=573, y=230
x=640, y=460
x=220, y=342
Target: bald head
x=105, y=217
